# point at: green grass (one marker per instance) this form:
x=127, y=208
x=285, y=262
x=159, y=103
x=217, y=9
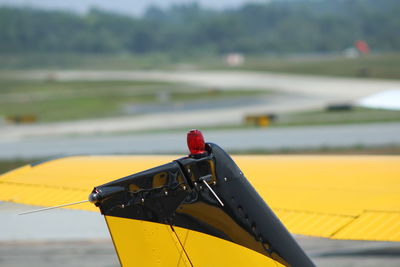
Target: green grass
x=8, y=165
x=386, y=65
x=323, y=117
x=58, y=101
x=376, y=65
x=61, y=61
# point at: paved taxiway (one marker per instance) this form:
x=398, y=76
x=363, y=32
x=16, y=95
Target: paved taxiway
x=368, y=135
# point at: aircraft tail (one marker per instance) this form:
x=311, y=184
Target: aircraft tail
x=199, y=210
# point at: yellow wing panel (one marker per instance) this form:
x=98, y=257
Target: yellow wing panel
x=83, y=172
x=312, y=223
x=340, y=185
x=37, y=195
x=372, y=225
x=328, y=196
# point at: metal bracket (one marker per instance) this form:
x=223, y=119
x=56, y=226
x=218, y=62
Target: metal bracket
x=208, y=177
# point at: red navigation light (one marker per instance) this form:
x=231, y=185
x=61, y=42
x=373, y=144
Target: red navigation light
x=195, y=142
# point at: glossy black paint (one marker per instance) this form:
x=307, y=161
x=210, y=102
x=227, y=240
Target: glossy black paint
x=176, y=194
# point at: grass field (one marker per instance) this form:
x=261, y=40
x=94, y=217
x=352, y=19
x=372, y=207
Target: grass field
x=376, y=65
x=84, y=61
x=58, y=101
x=385, y=66
x=324, y=117
x=8, y=165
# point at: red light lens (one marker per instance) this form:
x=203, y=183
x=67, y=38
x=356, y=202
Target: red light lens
x=195, y=142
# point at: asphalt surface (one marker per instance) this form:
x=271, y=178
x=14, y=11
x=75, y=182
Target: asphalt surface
x=367, y=135
x=78, y=238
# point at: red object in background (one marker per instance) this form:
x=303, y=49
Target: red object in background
x=362, y=46
x=195, y=142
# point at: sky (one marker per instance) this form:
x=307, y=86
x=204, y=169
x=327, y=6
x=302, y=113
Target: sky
x=131, y=7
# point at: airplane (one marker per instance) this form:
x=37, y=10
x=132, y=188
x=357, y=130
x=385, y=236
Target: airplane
x=203, y=210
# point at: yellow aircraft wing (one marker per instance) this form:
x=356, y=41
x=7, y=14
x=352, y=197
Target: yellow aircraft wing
x=339, y=197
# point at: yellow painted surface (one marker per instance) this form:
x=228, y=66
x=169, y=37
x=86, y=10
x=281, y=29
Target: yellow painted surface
x=372, y=225
x=70, y=179
x=344, y=185
x=312, y=195
x=84, y=172
x=218, y=219
x=206, y=250
x=312, y=223
x=141, y=243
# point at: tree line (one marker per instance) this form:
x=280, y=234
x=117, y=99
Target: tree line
x=283, y=26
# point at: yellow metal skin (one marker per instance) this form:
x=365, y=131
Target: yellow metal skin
x=206, y=250
x=343, y=197
x=143, y=243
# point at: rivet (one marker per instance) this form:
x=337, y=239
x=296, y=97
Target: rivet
x=166, y=193
x=226, y=179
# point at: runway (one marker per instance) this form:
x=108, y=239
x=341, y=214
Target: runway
x=313, y=137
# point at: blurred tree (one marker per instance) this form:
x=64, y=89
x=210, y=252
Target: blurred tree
x=277, y=26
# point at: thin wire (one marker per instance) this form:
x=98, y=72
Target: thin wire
x=212, y=191
x=55, y=207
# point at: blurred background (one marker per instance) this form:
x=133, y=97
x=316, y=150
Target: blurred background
x=132, y=77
